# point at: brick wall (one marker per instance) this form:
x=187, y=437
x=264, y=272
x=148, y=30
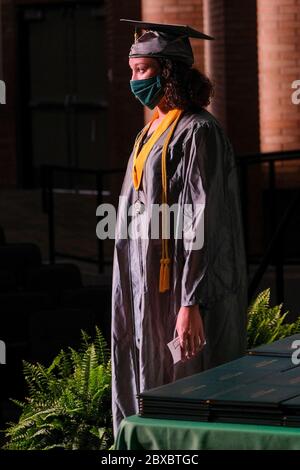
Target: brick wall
x=188, y=12
x=214, y=56
x=279, y=66
x=179, y=12
x=231, y=62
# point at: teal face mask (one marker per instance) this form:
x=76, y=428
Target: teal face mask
x=149, y=91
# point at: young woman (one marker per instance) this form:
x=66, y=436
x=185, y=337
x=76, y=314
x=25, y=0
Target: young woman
x=190, y=278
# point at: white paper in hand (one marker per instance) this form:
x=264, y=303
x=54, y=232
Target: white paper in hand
x=175, y=349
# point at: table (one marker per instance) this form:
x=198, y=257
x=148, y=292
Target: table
x=138, y=433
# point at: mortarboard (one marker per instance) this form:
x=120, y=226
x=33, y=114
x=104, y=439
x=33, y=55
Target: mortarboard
x=164, y=40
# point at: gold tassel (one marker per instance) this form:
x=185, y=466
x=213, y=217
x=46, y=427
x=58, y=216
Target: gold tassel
x=139, y=159
x=164, y=275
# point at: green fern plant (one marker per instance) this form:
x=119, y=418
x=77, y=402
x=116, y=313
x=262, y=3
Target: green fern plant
x=68, y=406
x=266, y=323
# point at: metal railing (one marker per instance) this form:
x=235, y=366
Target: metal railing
x=47, y=180
x=273, y=252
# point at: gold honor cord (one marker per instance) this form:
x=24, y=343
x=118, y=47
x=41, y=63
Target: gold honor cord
x=139, y=159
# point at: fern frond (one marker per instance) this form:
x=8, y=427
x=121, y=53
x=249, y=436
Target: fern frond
x=267, y=324
x=101, y=347
x=66, y=401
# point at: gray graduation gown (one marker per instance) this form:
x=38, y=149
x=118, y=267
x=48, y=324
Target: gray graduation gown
x=201, y=169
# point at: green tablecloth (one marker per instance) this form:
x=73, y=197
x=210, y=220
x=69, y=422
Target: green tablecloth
x=138, y=433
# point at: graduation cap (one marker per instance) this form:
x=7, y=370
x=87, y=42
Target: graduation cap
x=169, y=41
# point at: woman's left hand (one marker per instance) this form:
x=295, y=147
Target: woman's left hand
x=190, y=330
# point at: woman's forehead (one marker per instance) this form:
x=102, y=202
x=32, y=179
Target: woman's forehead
x=134, y=61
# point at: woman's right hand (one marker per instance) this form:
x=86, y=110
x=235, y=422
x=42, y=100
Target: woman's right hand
x=190, y=330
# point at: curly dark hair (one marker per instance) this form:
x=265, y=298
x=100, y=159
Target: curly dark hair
x=185, y=87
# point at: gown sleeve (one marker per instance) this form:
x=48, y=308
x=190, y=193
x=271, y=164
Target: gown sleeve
x=200, y=152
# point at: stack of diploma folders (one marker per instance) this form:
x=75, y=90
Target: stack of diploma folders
x=262, y=387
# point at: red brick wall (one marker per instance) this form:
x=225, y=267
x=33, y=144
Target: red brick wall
x=179, y=12
x=279, y=66
x=188, y=12
x=214, y=25
x=231, y=62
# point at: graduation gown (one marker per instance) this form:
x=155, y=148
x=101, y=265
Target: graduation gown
x=201, y=170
